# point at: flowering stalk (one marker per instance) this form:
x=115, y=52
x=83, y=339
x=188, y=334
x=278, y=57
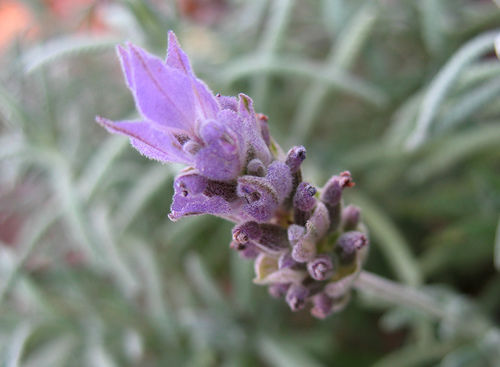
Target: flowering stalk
x=306, y=247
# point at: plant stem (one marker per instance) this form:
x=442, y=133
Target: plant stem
x=397, y=293
x=416, y=299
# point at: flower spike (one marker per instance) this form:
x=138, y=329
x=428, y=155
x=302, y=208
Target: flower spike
x=306, y=247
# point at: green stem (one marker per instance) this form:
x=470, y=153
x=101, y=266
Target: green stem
x=418, y=300
x=400, y=294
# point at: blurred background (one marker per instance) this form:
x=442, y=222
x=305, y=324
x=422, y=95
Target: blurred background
x=405, y=94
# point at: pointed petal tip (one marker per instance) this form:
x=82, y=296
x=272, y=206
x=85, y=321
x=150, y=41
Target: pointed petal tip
x=173, y=217
x=103, y=121
x=172, y=38
x=245, y=102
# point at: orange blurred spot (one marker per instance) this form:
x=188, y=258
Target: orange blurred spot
x=80, y=15
x=15, y=19
x=67, y=8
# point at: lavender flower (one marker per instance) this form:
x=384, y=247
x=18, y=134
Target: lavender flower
x=236, y=171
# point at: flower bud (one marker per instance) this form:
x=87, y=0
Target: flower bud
x=303, y=202
x=350, y=218
x=242, y=233
x=304, y=197
x=332, y=191
x=256, y=168
x=322, y=305
x=317, y=226
x=295, y=157
x=280, y=178
x=348, y=244
x=321, y=267
x=296, y=296
x=304, y=250
x=278, y=290
x=331, y=195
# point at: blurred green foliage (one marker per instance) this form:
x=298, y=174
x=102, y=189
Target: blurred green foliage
x=405, y=94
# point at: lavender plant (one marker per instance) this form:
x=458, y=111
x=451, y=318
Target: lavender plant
x=306, y=246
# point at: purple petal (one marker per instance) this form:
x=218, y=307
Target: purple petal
x=227, y=103
x=252, y=130
x=195, y=195
x=273, y=240
x=124, y=56
x=152, y=143
x=206, y=104
x=220, y=159
x=162, y=94
x=176, y=58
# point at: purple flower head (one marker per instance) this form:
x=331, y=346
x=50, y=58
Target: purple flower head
x=182, y=121
x=236, y=171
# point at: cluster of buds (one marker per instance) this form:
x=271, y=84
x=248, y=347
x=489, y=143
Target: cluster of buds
x=306, y=246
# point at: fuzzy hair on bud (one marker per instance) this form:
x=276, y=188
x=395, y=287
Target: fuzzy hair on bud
x=296, y=297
